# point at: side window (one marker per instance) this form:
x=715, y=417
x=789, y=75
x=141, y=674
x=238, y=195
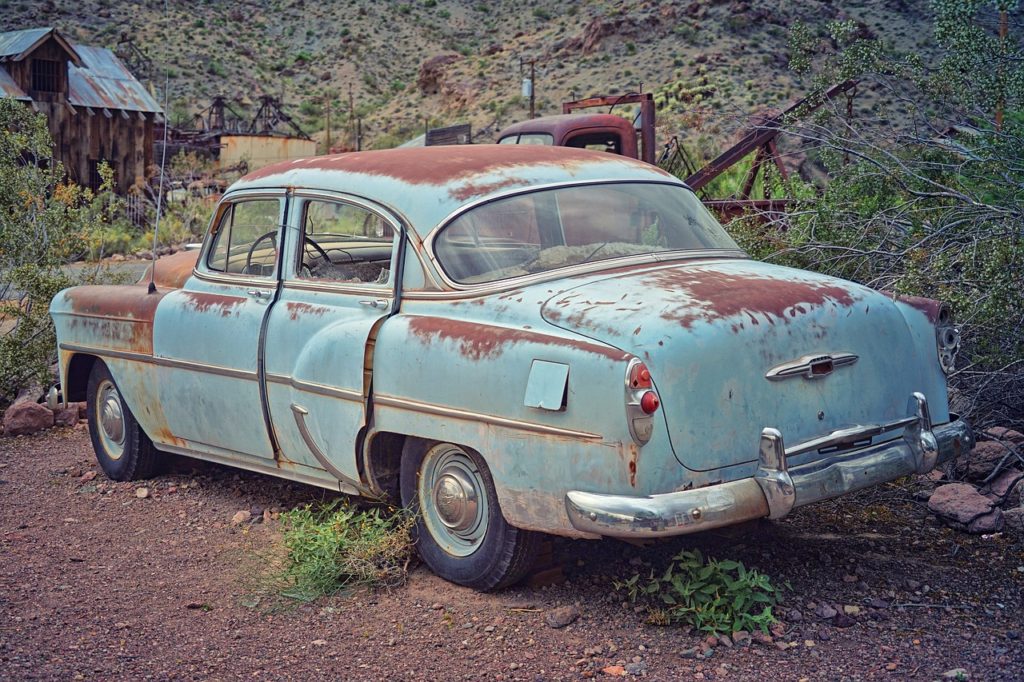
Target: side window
x=344, y=243
x=246, y=239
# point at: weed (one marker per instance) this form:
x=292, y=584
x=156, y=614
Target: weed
x=335, y=545
x=712, y=596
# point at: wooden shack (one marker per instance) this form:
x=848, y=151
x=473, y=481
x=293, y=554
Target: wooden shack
x=96, y=110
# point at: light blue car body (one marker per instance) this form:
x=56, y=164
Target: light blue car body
x=322, y=382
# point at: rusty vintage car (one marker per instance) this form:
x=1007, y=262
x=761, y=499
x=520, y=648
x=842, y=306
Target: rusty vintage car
x=514, y=340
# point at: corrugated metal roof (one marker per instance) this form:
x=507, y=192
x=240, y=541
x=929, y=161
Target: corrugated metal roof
x=101, y=81
x=13, y=43
x=10, y=89
x=104, y=83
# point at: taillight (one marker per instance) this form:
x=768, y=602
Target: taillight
x=649, y=402
x=642, y=401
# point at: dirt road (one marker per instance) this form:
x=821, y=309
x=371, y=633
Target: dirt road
x=100, y=583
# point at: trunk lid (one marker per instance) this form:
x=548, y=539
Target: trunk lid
x=710, y=332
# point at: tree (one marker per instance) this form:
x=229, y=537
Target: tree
x=45, y=223
x=926, y=190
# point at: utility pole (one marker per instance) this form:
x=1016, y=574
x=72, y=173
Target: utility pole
x=328, y=124
x=351, y=117
x=530, y=86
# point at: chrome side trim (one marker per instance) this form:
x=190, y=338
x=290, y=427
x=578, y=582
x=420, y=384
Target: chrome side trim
x=319, y=389
x=249, y=465
x=454, y=413
x=162, y=362
x=300, y=420
x=235, y=280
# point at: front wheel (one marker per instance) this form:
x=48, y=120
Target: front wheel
x=460, y=532
x=124, y=451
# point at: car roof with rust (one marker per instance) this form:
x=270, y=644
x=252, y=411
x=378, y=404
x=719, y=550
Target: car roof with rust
x=427, y=184
x=560, y=124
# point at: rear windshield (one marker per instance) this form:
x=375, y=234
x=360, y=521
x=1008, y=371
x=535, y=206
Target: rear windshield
x=554, y=228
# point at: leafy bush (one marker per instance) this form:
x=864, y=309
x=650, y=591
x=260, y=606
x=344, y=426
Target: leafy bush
x=713, y=596
x=46, y=222
x=334, y=546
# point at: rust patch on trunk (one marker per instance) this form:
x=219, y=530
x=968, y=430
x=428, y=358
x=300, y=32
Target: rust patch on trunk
x=713, y=295
x=931, y=308
x=297, y=309
x=212, y=303
x=484, y=342
x=634, y=455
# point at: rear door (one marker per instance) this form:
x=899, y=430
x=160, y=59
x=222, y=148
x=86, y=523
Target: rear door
x=339, y=284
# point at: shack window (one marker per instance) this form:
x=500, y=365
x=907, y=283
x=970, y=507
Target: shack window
x=45, y=75
x=345, y=243
x=246, y=241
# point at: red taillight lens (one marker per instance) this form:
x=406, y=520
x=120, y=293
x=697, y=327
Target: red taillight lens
x=649, y=402
x=640, y=376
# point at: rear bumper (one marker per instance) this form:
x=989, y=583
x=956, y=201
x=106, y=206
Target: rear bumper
x=776, y=489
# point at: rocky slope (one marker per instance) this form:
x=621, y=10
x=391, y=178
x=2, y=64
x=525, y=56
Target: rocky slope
x=708, y=60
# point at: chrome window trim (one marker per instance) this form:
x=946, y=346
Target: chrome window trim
x=201, y=269
x=234, y=279
x=398, y=222
x=658, y=256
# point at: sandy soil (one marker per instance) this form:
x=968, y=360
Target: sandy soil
x=98, y=583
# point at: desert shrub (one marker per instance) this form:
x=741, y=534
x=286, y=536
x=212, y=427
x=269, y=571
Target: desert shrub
x=712, y=596
x=335, y=545
x=46, y=223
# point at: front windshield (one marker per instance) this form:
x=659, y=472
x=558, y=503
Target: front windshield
x=555, y=228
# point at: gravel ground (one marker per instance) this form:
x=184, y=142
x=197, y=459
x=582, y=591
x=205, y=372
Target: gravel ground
x=100, y=583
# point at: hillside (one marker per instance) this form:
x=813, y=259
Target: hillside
x=709, y=60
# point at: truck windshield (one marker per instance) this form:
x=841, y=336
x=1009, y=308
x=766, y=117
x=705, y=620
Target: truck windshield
x=555, y=228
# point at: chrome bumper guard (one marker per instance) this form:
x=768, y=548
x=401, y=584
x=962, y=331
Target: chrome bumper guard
x=776, y=488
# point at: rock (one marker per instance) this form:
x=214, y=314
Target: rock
x=432, y=72
x=319, y=642
x=741, y=638
x=1004, y=487
x=240, y=517
x=614, y=671
x=762, y=637
x=561, y=616
x=87, y=476
x=30, y=394
x=1013, y=519
x=636, y=668
x=1006, y=434
x=794, y=616
x=725, y=641
x=956, y=674
x=142, y=493
x=83, y=410
x=843, y=621
x=825, y=612
x=65, y=416
x=963, y=507
x=25, y=417
x=982, y=460
x=851, y=610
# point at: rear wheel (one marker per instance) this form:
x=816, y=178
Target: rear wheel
x=460, y=532
x=124, y=452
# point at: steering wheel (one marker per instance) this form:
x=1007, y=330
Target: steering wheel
x=306, y=241
x=272, y=236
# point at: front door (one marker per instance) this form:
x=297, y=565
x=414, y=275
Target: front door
x=207, y=335
x=338, y=285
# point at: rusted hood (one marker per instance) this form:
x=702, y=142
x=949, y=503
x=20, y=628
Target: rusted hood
x=172, y=271
x=711, y=331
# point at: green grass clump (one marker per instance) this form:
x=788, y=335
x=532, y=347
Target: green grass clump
x=334, y=546
x=712, y=596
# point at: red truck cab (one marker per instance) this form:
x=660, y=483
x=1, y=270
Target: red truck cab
x=600, y=132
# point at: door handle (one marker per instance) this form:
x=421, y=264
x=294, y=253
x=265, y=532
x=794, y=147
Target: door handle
x=259, y=293
x=376, y=303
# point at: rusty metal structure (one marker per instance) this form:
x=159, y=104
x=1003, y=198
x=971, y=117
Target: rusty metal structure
x=96, y=110
x=646, y=117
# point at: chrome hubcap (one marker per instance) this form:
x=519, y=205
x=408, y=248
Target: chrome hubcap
x=110, y=417
x=454, y=501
